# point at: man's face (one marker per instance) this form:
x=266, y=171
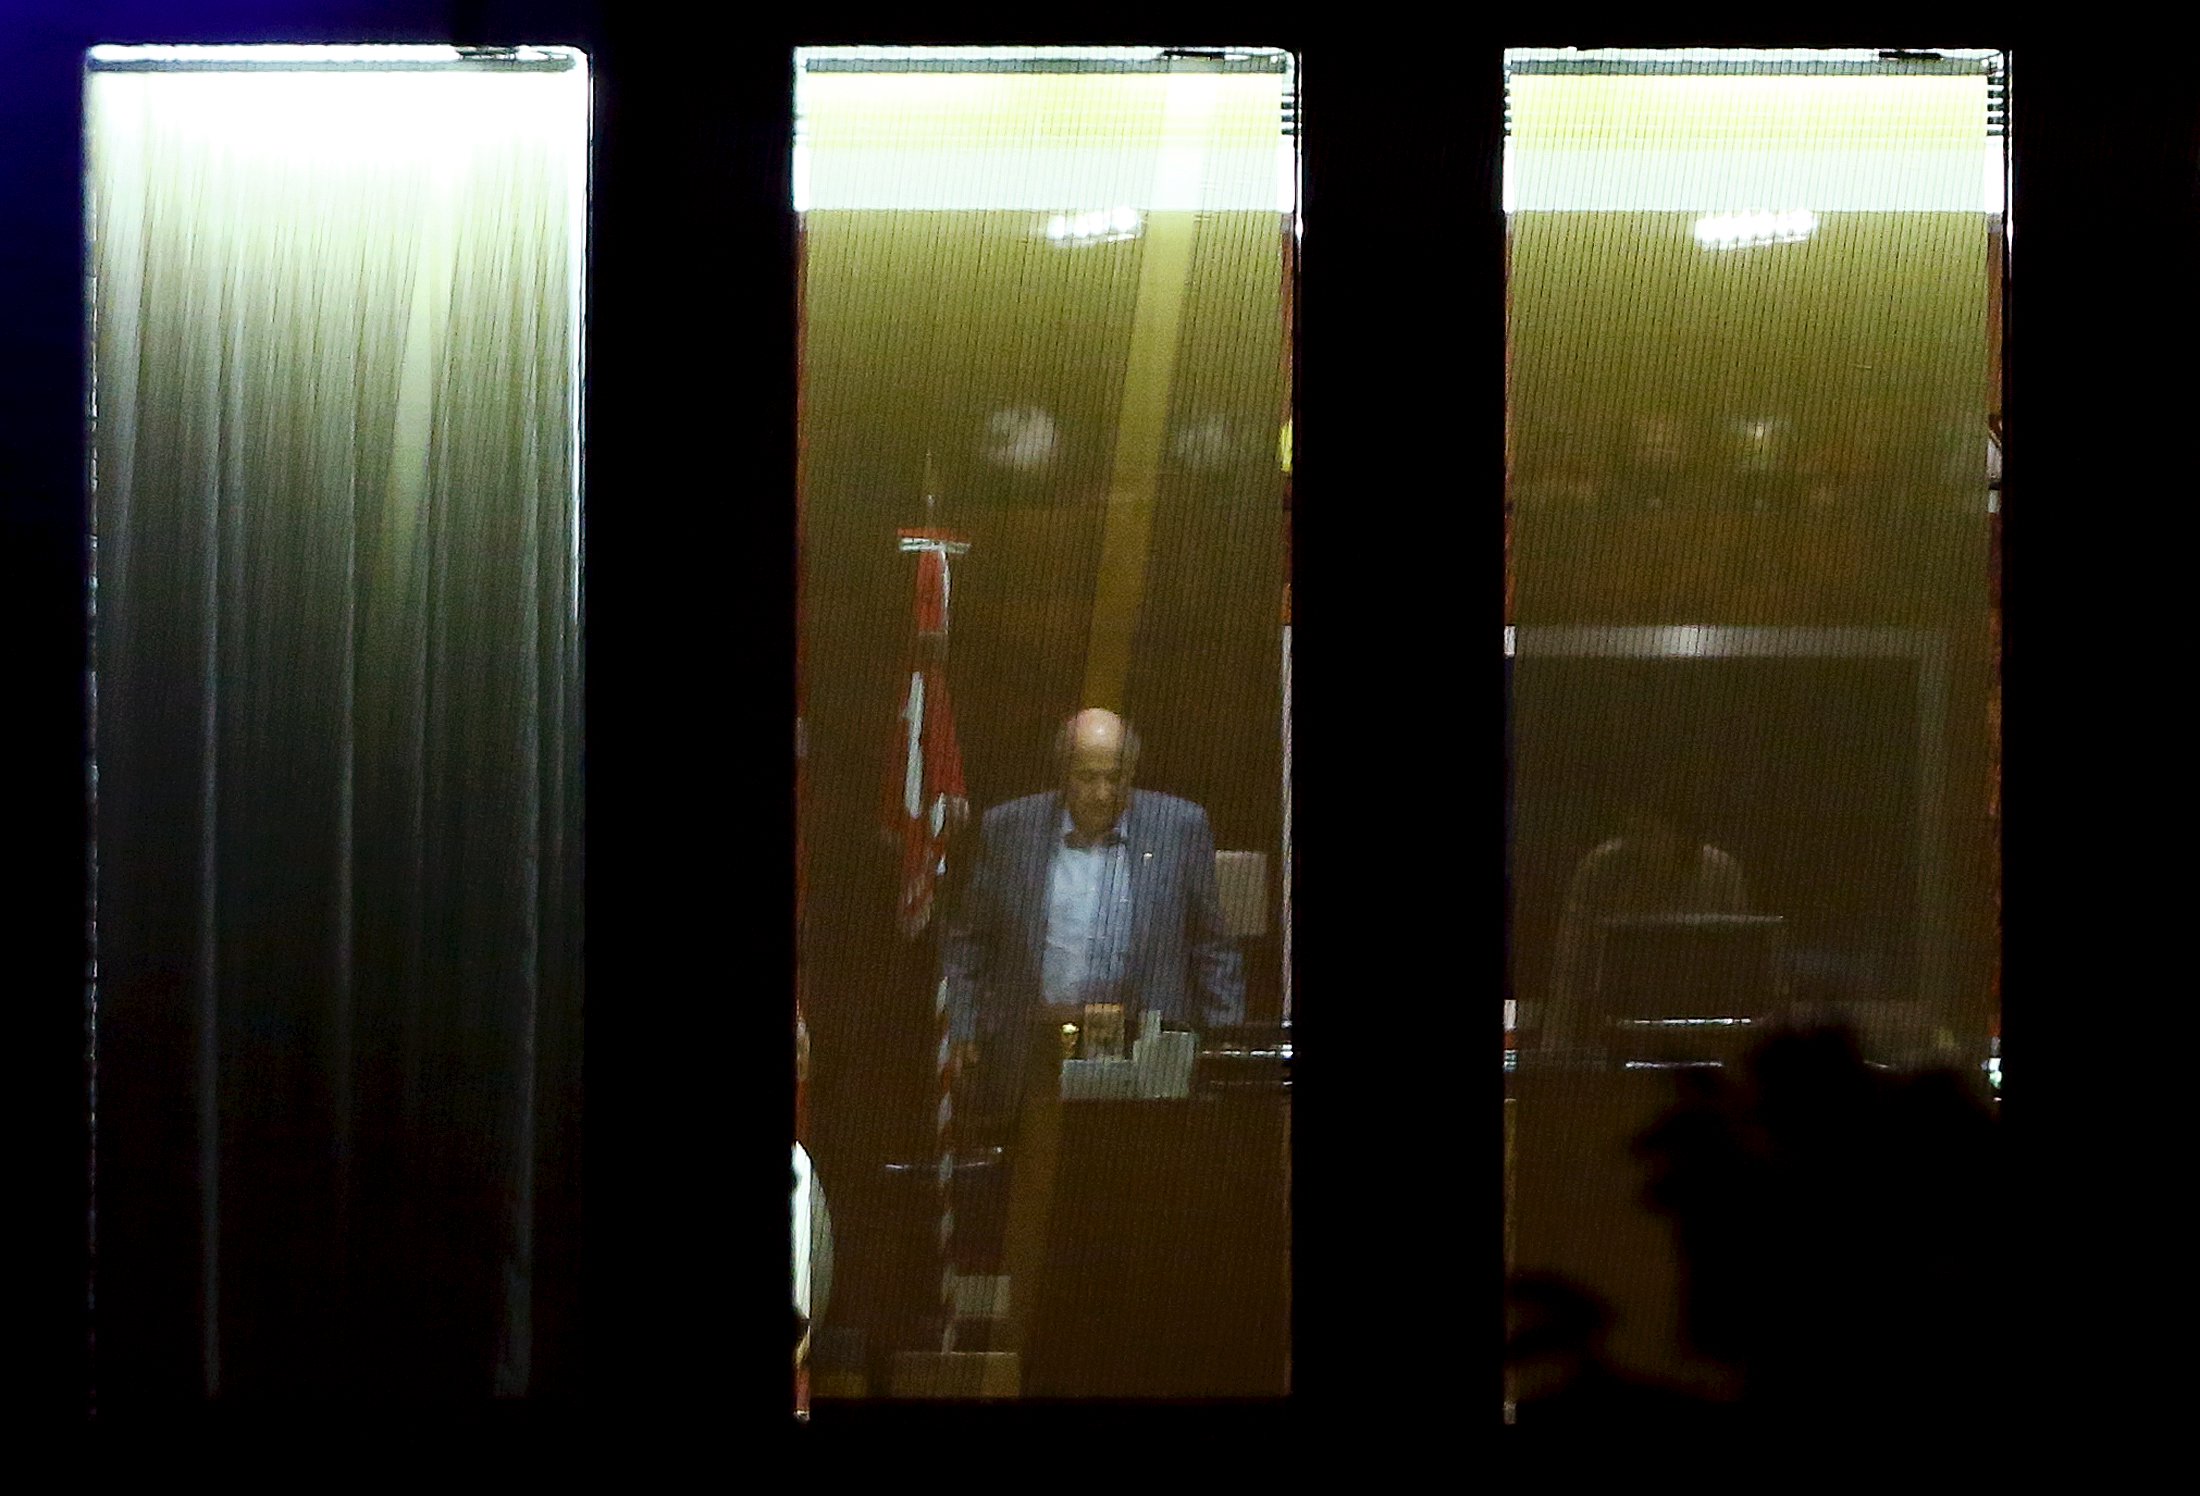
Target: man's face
x=1097, y=786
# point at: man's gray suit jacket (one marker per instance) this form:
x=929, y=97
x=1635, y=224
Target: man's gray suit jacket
x=1180, y=960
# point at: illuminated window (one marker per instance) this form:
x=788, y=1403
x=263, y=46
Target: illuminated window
x=1045, y=457
x=1752, y=506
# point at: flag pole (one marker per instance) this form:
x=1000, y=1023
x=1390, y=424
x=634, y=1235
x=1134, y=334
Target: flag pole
x=939, y=804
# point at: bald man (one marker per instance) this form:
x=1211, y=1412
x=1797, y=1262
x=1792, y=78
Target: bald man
x=1091, y=893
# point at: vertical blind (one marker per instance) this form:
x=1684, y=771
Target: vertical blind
x=335, y=322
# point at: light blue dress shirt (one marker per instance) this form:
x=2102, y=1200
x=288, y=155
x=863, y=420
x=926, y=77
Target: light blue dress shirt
x=1088, y=917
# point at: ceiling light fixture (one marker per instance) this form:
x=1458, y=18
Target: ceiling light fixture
x=1748, y=230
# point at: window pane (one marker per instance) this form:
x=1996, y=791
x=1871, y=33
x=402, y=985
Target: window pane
x=1753, y=450
x=1044, y=467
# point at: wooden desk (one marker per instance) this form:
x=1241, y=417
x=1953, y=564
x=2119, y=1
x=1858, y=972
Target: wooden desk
x=1150, y=1248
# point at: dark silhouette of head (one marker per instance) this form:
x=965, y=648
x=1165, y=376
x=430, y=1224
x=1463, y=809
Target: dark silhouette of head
x=1835, y=1231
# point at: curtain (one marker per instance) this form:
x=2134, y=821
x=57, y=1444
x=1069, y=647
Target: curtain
x=335, y=628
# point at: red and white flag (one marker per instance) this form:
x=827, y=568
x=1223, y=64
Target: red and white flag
x=925, y=797
x=925, y=803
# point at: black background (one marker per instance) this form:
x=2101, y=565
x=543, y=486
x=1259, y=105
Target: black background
x=1398, y=745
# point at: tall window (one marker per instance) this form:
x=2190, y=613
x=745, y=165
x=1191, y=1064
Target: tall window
x=1754, y=457
x=1044, y=466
